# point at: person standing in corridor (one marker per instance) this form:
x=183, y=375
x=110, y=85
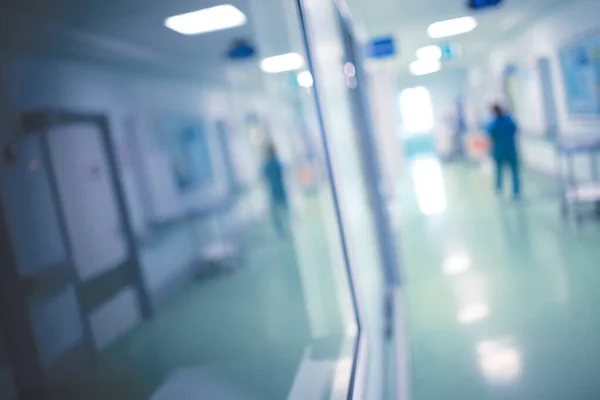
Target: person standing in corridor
x=503, y=133
x=274, y=175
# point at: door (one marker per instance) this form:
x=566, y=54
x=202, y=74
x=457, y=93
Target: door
x=45, y=327
x=70, y=279
x=88, y=199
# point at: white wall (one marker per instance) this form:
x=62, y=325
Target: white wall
x=30, y=82
x=164, y=199
x=33, y=83
x=543, y=38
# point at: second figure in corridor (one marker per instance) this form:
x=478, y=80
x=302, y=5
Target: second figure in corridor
x=274, y=176
x=503, y=134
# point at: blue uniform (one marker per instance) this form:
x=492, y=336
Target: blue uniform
x=273, y=172
x=503, y=134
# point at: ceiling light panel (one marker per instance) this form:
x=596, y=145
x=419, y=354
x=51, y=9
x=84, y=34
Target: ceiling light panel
x=429, y=53
x=282, y=63
x=424, y=67
x=211, y=19
x=451, y=27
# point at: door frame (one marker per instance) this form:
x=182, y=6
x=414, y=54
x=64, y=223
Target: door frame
x=19, y=293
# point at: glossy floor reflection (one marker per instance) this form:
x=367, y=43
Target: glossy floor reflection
x=502, y=297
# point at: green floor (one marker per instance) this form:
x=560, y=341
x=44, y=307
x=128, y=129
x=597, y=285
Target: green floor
x=502, y=297
x=501, y=302
x=249, y=328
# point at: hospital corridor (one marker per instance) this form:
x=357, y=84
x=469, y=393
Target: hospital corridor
x=498, y=297
x=299, y=200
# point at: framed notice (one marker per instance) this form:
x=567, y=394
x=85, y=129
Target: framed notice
x=580, y=62
x=188, y=151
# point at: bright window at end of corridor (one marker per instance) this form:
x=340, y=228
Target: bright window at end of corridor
x=416, y=110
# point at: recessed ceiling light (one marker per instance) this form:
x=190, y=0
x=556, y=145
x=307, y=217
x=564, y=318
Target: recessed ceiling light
x=207, y=20
x=424, y=67
x=429, y=53
x=282, y=63
x=451, y=27
x=305, y=79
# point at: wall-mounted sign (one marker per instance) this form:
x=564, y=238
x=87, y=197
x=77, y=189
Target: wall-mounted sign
x=382, y=47
x=580, y=62
x=481, y=4
x=450, y=51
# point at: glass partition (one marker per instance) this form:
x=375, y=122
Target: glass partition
x=211, y=235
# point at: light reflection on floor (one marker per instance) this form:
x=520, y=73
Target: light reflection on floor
x=457, y=264
x=499, y=294
x=499, y=360
x=428, y=185
x=473, y=312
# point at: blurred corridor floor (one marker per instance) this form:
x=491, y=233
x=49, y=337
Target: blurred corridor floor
x=501, y=296
x=249, y=329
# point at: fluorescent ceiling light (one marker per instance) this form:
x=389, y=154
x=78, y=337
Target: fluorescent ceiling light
x=208, y=20
x=451, y=27
x=429, y=53
x=424, y=67
x=305, y=79
x=282, y=63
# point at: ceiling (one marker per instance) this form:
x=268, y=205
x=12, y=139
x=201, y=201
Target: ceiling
x=407, y=21
x=129, y=32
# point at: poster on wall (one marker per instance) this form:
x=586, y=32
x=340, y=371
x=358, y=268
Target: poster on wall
x=580, y=62
x=189, y=152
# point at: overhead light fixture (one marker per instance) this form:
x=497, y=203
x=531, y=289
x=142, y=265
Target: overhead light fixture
x=305, y=79
x=429, y=53
x=282, y=63
x=207, y=20
x=424, y=67
x=451, y=27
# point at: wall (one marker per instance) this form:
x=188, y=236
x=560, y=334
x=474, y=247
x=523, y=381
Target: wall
x=560, y=25
x=543, y=38
x=30, y=82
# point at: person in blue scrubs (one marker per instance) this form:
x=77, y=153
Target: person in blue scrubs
x=503, y=134
x=274, y=176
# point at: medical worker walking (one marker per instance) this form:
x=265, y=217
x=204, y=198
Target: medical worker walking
x=274, y=176
x=503, y=134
